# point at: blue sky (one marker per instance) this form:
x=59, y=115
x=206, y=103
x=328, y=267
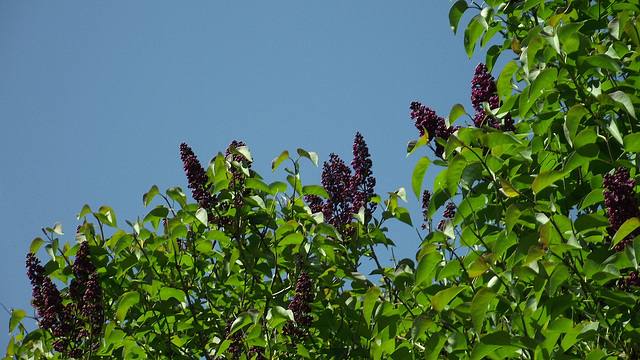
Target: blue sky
x=95, y=98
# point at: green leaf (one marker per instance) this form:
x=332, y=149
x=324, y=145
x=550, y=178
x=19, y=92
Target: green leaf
x=632, y=142
x=535, y=253
x=158, y=213
x=414, y=144
x=254, y=183
x=241, y=321
x=278, y=315
x=454, y=172
x=472, y=33
x=315, y=190
x=605, y=62
x=455, y=13
x=309, y=155
x=35, y=245
x=107, y=216
x=427, y=264
x=572, y=121
x=278, y=187
x=125, y=302
x=57, y=229
x=178, y=195
x=508, y=189
x=418, y=175
x=479, y=305
x=545, y=179
x=625, y=229
x=457, y=110
x=559, y=276
x=504, y=80
x=202, y=216
x=167, y=293
x=148, y=196
x=542, y=81
x=16, y=317
x=277, y=161
x=443, y=297
x=292, y=239
x=85, y=210
x=530, y=4
x=420, y=325
x=622, y=98
x=478, y=267
x=370, y=299
x=433, y=346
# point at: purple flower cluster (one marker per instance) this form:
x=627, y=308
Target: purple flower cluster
x=197, y=177
x=78, y=321
x=484, y=89
x=347, y=192
x=449, y=213
x=426, y=201
x=620, y=199
x=622, y=205
x=301, y=308
x=236, y=347
x=362, y=181
x=427, y=121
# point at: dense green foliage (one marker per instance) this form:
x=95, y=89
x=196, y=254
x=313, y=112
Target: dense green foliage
x=536, y=257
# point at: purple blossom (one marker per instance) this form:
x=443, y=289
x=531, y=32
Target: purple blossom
x=362, y=181
x=196, y=176
x=484, y=89
x=426, y=201
x=236, y=346
x=621, y=202
x=301, y=308
x=348, y=191
x=427, y=121
x=81, y=318
x=449, y=213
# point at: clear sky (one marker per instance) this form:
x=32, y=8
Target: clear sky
x=95, y=98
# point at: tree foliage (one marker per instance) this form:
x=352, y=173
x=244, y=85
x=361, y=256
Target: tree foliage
x=536, y=255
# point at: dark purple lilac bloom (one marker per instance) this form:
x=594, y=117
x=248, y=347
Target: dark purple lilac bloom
x=484, y=89
x=426, y=201
x=621, y=202
x=196, y=176
x=348, y=191
x=427, y=121
x=449, y=213
x=362, y=181
x=81, y=318
x=301, y=308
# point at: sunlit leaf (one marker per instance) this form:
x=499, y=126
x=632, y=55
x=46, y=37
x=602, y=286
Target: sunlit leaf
x=546, y=178
x=370, y=299
x=479, y=306
x=147, y=197
x=277, y=161
x=455, y=13
x=443, y=297
x=625, y=229
x=418, y=175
